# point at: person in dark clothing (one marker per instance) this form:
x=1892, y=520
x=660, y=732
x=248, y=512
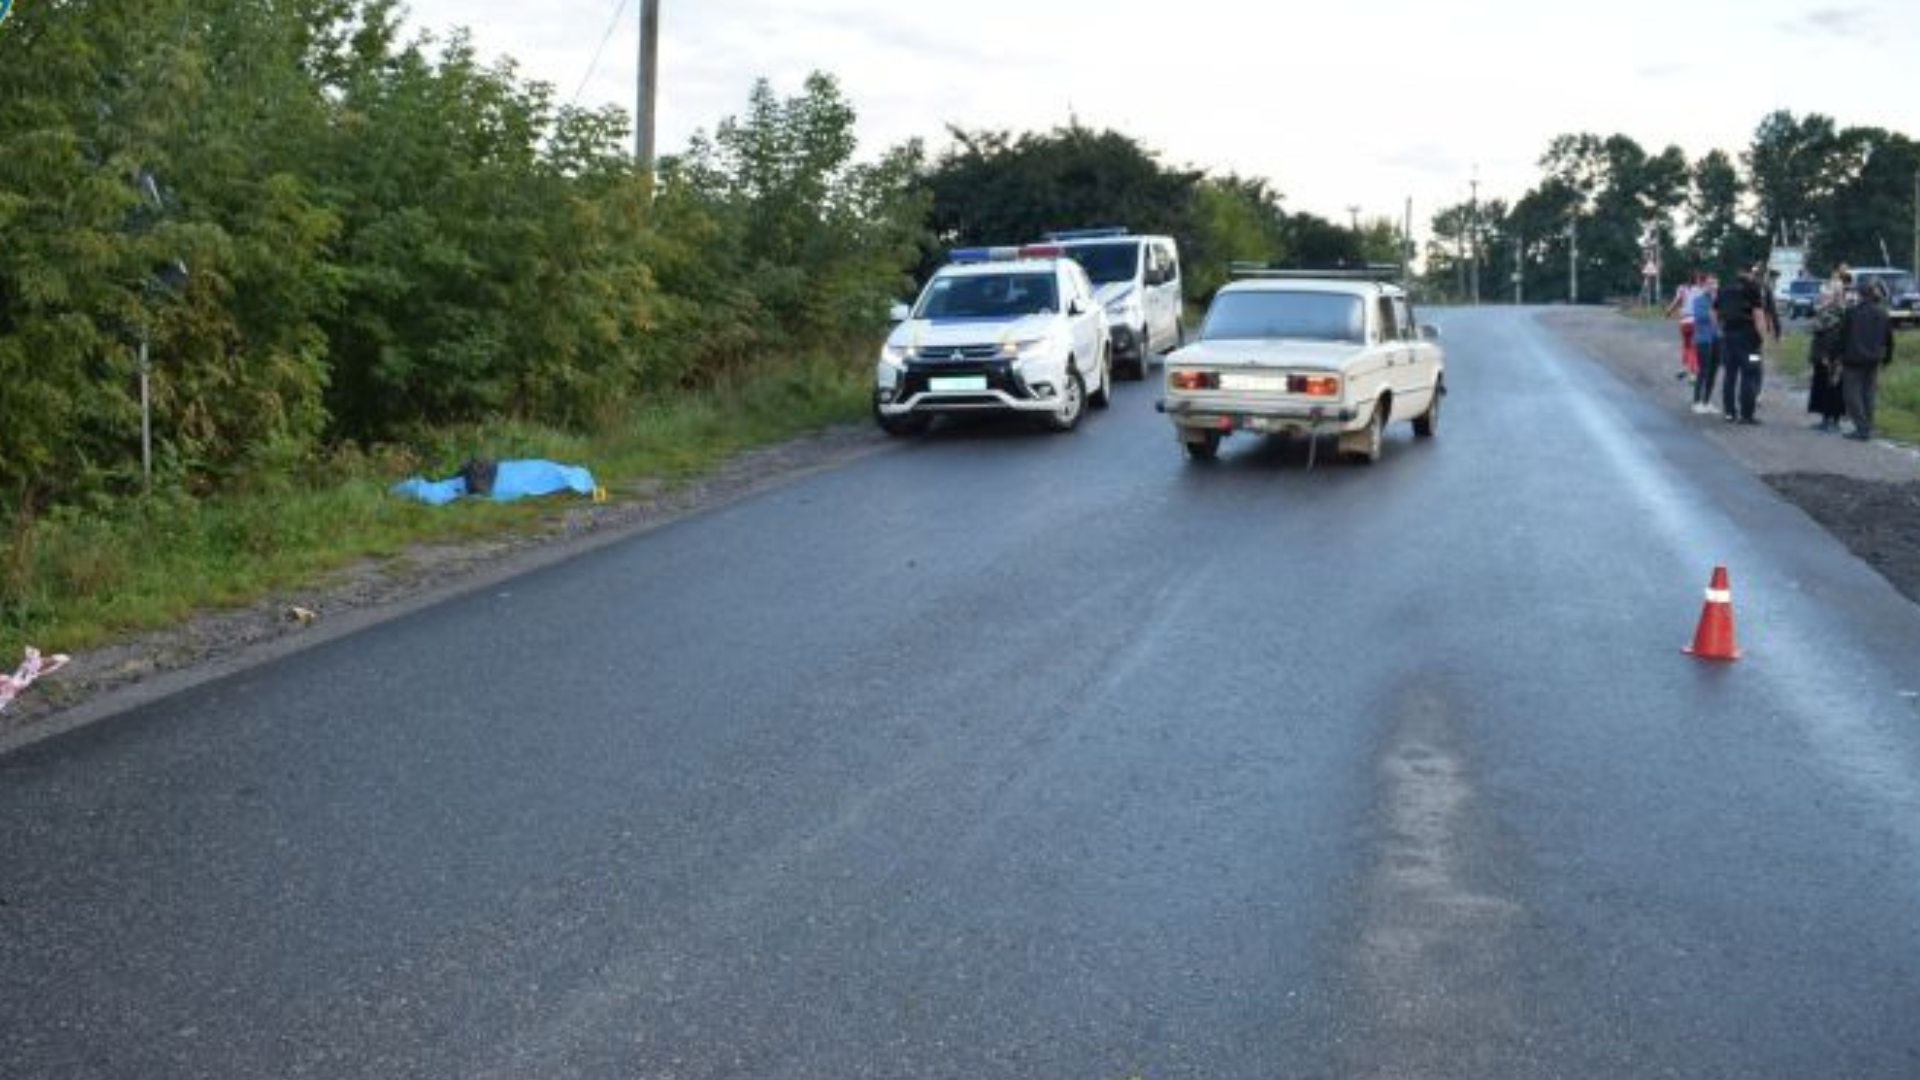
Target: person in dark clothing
x=1742, y=310
x=1867, y=334
x=1824, y=350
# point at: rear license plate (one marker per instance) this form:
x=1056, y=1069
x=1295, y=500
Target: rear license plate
x=957, y=384
x=1236, y=380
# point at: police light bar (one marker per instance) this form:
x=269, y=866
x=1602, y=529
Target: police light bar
x=1005, y=254
x=1107, y=233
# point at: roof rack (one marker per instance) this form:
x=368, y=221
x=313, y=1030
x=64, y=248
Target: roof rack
x=1108, y=233
x=1386, y=273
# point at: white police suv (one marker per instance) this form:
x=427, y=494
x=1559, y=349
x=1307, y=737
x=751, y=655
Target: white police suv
x=1012, y=329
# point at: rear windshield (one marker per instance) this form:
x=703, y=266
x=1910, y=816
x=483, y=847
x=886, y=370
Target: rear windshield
x=1895, y=284
x=988, y=296
x=1300, y=316
x=1107, y=263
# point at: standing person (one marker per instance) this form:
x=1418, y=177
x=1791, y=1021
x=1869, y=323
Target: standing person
x=1706, y=343
x=1743, y=311
x=1868, y=336
x=1824, y=350
x=1682, y=305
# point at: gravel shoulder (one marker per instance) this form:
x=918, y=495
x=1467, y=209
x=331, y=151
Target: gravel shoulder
x=1867, y=496
x=112, y=679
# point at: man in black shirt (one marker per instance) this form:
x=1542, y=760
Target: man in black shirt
x=1743, y=310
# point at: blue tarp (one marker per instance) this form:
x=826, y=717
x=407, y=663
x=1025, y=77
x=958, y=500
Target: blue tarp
x=513, y=480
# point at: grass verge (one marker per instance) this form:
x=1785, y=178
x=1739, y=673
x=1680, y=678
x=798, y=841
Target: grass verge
x=1897, y=413
x=77, y=577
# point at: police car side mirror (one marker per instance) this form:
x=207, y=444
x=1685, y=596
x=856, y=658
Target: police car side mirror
x=898, y=313
x=1075, y=307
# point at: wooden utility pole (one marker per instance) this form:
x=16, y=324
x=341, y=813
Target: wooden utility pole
x=649, y=84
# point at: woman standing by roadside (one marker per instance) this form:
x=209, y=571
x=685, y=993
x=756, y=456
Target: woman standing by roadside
x=1706, y=342
x=1823, y=352
x=1682, y=304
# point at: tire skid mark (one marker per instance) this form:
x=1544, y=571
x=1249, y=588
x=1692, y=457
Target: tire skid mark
x=1434, y=951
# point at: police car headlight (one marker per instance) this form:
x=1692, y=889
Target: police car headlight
x=1013, y=349
x=1124, y=310
x=896, y=355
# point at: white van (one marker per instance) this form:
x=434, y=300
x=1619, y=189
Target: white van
x=1136, y=279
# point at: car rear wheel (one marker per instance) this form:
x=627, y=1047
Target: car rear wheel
x=1428, y=422
x=1367, y=450
x=1073, y=402
x=1206, y=449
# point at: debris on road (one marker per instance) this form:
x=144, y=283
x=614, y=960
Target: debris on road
x=32, y=668
x=303, y=616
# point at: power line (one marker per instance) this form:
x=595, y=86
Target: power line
x=612, y=25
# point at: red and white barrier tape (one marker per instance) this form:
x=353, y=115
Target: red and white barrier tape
x=33, y=667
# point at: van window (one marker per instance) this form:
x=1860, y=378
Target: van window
x=1108, y=263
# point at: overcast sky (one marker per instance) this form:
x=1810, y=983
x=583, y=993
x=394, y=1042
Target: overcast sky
x=1339, y=104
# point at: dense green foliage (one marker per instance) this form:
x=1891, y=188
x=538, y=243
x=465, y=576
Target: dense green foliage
x=997, y=188
x=383, y=237
x=1846, y=194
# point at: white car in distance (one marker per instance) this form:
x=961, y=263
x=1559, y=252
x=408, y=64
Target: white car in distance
x=1306, y=353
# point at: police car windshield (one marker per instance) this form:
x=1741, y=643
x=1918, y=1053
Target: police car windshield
x=1107, y=263
x=1300, y=316
x=988, y=296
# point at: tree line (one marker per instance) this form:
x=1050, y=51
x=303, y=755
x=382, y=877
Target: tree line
x=1846, y=194
x=329, y=233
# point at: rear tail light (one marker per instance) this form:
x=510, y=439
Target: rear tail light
x=1193, y=380
x=1314, y=385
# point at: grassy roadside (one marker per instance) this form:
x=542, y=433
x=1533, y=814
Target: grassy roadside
x=75, y=578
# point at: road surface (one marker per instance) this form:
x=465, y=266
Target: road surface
x=1012, y=755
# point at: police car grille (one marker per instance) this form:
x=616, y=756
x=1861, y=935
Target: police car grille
x=960, y=352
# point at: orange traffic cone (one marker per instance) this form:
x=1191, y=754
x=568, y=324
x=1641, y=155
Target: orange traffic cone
x=1714, y=639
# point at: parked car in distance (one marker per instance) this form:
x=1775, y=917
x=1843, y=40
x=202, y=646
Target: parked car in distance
x=1013, y=330
x=1306, y=353
x=1799, y=298
x=1903, y=298
x=1137, y=281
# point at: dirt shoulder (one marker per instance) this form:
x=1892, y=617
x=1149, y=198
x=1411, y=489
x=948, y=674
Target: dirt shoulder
x=112, y=679
x=1868, y=496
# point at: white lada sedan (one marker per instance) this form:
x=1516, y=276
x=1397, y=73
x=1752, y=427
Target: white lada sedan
x=1297, y=353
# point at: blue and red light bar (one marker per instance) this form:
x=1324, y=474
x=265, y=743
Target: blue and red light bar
x=1005, y=254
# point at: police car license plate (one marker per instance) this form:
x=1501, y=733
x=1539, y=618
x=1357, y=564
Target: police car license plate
x=1260, y=380
x=957, y=384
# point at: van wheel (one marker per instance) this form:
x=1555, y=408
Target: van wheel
x=1073, y=402
x=1146, y=354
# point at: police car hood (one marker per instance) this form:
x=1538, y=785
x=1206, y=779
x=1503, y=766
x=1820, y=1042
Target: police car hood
x=931, y=334
x=1259, y=353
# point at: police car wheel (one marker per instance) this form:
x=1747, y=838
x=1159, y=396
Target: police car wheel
x=1102, y=395
x=901, y=427
x=1073, y=402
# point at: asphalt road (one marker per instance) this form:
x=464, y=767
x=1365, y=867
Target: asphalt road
x=1013, y=755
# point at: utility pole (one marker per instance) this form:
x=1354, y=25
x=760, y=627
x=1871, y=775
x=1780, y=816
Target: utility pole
x=1473, y=235
x=1916, y=223
x=1573, y=260
x=649, y=84
x=1519, y=273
